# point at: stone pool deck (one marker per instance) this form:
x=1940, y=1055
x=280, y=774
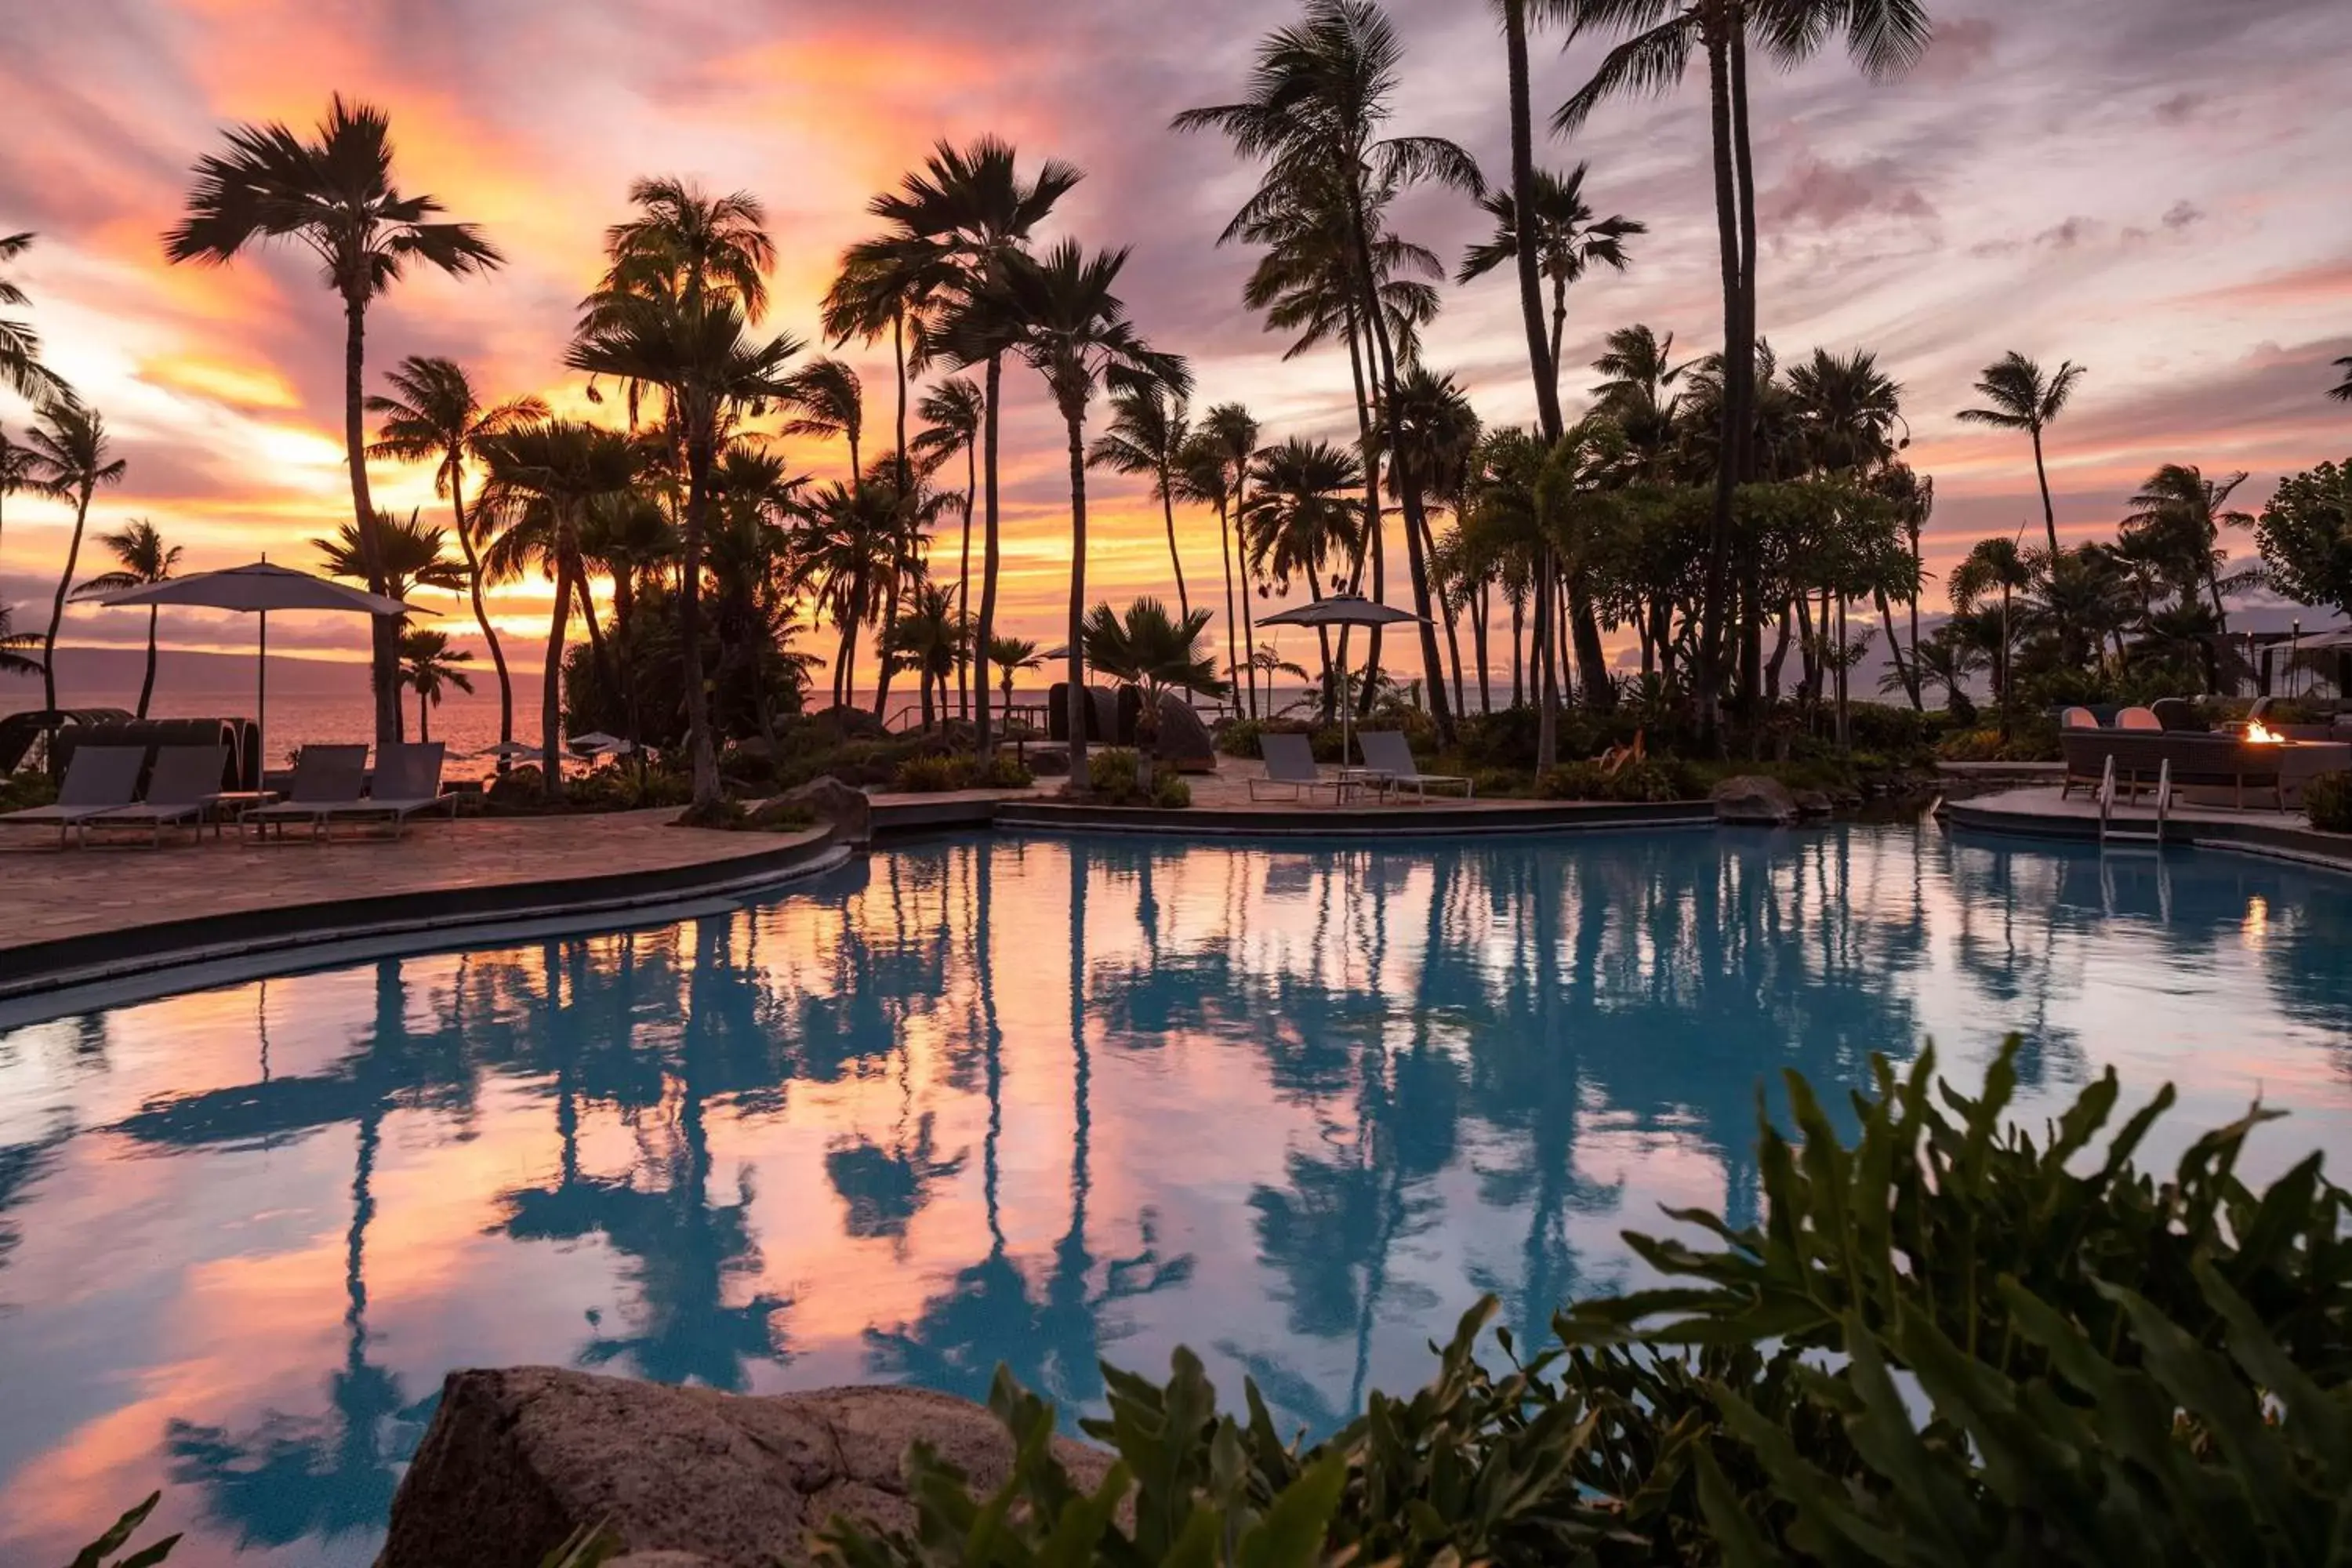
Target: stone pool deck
x=2041, y=811
x=73, y=917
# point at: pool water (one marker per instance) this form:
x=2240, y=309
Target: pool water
x=1039, y=1101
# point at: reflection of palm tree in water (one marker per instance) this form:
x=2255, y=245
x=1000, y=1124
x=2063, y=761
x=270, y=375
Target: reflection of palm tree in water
x=988, y=1314
x=294, y=1478
x=686, y=1253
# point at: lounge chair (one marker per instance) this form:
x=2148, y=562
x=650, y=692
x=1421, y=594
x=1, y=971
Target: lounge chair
x=325, y=777
x=1387, y=753
x=407, y=781
x=1290, y=764
x=184, y=781
x=98, y=779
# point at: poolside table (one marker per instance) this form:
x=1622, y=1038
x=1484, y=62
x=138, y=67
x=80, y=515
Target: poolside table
x=231, y=805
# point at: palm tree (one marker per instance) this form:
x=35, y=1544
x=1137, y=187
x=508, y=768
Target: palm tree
x=428, y=663
x=1436, y=433
x=14, y=658
x=1010, y=656
x=433, y=415
x=334, y=194
x=2178, y=516
x=1303, y=510
x=72, y=455
x=2342, y=391
x=541, y=482
x=1568, y=243
x=1151, y=649
x=1202, y=475
x=2024, y=398
x=694, y=347
x=1146, y=436
x=1318, y=97
x=953, y=413
x=829, y=405
x=969, y=210
x=926, y=639
x=141, y=557
x=1885, y=38
x=846, y=544
x=16, y=469
x=1991, y=565
x=1234, y=431
x=1074, y=331
x=21, y=369
x=411, y=554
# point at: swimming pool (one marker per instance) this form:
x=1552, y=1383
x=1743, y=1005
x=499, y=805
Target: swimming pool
x=1032, y=1100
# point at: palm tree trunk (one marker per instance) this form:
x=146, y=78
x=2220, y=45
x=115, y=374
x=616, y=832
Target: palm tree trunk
x=963, y=576
x=58, y=609
x=1751, y=625
x=987, y=627
x=902, y=542
x=1478, y=612
x=424, y=734
x=1168, y=512
x=1079, y=781
x=147, y=686
x=383, y=633
x=550, y=699
x=1373, y=527
x=482, y=615
x=702, y=436
x=1518, y=651
x=1232, y=657
x=1904, y=670
x=1709, y=672
x=2041, y=477
x=1453, y=652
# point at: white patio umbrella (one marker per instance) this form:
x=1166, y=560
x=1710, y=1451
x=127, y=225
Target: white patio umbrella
x=1340, y=610
x=256, y=589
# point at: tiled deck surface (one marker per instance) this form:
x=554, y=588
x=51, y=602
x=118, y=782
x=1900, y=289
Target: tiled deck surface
x=2262, y=828
x=47, y=894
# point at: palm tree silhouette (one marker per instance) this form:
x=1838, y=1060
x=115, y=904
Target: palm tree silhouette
x=433, y=414
x=2024, y=398
x=21, y=369
x=969, y=211
x=334, y=195
x=1147, y=435
x=1069, y=327
x=1568, y=243
x=428, y=663
x=141, y=557
x=1229, y=433
x=72, y=455
x=953, y=413
x=1304, y=510
x=2342, y=391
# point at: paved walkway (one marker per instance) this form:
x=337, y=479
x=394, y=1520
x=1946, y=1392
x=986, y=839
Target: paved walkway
x=2194, y=821
x=49, y=894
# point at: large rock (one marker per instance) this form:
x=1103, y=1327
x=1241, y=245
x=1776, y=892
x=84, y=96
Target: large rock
x=831, y=801
x=519, y=1458
x=1184, y=742
x=1753, y=798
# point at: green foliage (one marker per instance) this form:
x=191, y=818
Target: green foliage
x=24, y=790
x=2305, y=534
x=935, y=772
x=1949, y=1342
x=2327, y=799
x=1649, y=781
x=119, y=1534
x=1898, y=732
x=722, y=812
x=2036, y=744
x=521, y=789
x=1170, y=792
x=780, y=816
x=1118, y=777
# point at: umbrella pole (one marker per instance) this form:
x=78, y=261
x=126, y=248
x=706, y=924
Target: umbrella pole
x=261, y=705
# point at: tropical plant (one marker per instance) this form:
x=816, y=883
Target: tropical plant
x=72, y=455
x=844, y=546
x=1303, y=511
x=15, y=656
x=433, y=414
x=1148, y=648
x=1074, y=331
x=1010, y=656
x=1146, y=436
x=969, y=211
x=1318, y=99
x=2305, y=536
x=334, y=195
x=118, y=1535
x=2327, y=801
x=1994, y=566
x=954, y=413
x=927, y=638
x=1658, y=39
x=427, y=665
x=1568, y=243
x=679, y=320
x=141, y=557
x=1229, y=433
x=411, y=554
x=2342, y=391
x=541, y=480
x=2178, y=516
x=21, y=369
x=2021, y=397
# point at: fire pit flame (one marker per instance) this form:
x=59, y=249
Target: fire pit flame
x=2262, y=734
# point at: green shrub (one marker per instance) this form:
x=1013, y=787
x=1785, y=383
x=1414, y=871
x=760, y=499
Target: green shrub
x=1970, y=746
x=23, y=791
x=1170, y=792
x=1506, y=739
x=723, y=812
x=2107, y=1367
x=780, y=816
x=1112, y=773
x=932, y=774
x=520, y=790
x=1898, y=732
x=1651, y=780
x=1002, y=770
x=2328, y=801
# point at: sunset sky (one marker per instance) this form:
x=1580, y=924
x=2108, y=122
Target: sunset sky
x=2155, y=188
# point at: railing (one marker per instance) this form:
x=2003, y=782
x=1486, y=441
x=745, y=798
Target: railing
x=2106, y=797
x=2107, y=800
